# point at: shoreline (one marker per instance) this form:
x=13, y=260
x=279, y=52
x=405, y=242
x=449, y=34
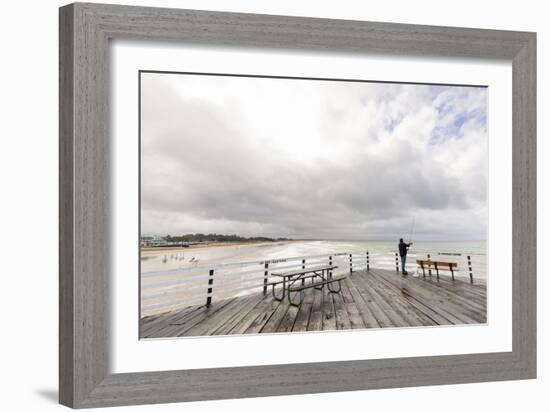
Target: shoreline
x=152, y=251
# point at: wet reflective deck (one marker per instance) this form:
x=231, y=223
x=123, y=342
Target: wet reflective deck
x=376, y=299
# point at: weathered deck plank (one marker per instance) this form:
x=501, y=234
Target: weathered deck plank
x=183, y=325
x=375, y=299
x=454, y=305
x=287, y=323
x=342, y=318
x=379, y=298
x=329, y=317
x=379, y=314
x=316, y=316
x=263, y=317
x=276, y=318
x=224, y=317
x=241, y=322
x=302, y=319
x=395, y=298
x=150, y=326
x=362, y=307
x=458, y=292
x=436, y=317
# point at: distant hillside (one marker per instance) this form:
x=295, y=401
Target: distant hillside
x=215, y=237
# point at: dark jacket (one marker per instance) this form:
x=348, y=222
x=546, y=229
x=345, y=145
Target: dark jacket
x=403, y=248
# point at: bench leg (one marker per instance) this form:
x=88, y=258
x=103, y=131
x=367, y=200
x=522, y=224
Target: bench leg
x=302, y=294
x=335, y=291
x=452, y=272
x=437, y=271
x=275, y=296
x=319, y=287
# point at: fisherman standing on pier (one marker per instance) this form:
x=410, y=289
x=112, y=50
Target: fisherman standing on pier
x=403, y=248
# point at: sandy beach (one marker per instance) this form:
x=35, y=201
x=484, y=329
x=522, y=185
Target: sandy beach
x=157, y=251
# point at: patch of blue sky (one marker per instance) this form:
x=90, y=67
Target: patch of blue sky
x=436, y=90
x=459, y=122
x=474, y=119
x=391, y=124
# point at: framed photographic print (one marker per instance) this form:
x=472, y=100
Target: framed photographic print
x=256, y=205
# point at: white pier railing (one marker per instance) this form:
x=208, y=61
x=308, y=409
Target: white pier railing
x=172, y=289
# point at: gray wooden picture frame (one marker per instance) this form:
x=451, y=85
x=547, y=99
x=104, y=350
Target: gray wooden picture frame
x=85, y=31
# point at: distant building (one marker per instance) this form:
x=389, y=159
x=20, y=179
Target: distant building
x=152, y=241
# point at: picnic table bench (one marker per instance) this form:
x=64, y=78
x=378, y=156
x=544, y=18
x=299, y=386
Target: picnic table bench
x=291, y=278
x=437, y=265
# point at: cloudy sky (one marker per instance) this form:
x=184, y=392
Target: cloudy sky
x=312, y=159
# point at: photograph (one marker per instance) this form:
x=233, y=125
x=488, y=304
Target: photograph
x=273, y=204
x=279, y=206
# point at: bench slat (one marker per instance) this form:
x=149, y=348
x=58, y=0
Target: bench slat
x=432, y=263
x=312, y=285
x=302, y=271
x=278, y=282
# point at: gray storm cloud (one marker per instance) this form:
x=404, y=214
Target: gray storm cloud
x=311, y=159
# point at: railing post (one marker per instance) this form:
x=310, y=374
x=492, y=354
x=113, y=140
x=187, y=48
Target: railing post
x=429, y=267
x=396, y=263
x=350, y=264
x=266, y=266
x=210, y=286
x=470, y=270
x=368, y=262
x=330, y=264
x=303, y=268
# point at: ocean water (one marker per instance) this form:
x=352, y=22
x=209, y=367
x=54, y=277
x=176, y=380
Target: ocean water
x=172, y=280
x=380, y=251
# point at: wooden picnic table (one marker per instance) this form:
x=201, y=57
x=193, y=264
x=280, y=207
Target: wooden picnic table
x=323, y=274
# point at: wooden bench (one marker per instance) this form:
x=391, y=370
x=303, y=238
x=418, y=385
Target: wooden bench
x=320, y=283
x=437, y=265
x=294, y=276
x=317, y=285
x=274, y=283
x=303, y=271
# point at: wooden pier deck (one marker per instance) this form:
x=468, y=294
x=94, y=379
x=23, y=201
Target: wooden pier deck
x=375, y=299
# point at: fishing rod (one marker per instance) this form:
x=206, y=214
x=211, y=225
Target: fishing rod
x=412, y=230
